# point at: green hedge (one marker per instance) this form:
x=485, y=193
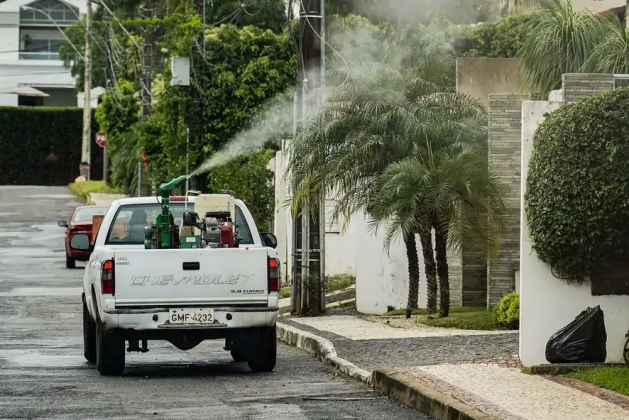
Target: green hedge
x=577, y=191
x=42, y=146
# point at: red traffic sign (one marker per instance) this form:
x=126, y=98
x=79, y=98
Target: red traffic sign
x=101, y=139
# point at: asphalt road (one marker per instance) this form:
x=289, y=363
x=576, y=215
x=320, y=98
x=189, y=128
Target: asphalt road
x=43, y=373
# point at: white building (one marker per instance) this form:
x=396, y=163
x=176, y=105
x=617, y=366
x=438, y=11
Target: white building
x=30, y=38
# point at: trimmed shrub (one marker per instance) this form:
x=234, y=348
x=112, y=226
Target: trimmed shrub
x=42, y=146
x=576, y=200
x=507, y=312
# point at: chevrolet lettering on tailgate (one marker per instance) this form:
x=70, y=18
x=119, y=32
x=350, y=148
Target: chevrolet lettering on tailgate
x=201, y=280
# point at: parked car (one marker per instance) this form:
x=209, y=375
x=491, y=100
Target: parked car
x=80, y=222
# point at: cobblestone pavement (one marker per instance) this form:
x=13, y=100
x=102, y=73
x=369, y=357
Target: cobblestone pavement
x=509, y=394
x=43, y=373
x=396, y=351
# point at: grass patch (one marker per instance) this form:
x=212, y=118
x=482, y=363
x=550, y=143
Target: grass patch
x=333, y=284
x=82, y=189
x=465, y=318
x=285, y=292
x=612, y=378
x=339, y=282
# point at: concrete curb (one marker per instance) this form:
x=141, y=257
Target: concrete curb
x=388, y=381
x=322, y=349
x=402, y=388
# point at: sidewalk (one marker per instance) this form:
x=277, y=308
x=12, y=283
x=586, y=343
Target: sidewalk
x=454, y=374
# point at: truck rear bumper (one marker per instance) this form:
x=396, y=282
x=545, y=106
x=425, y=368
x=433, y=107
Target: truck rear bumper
x=158, y=319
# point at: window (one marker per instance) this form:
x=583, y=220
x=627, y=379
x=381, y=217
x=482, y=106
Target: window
x=49, y=13
x=130, y=221
x=30, y=101
x=40, y=43
x=242, y=228
x=85, y=214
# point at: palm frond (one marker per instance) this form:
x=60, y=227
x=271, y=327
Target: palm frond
x=559, y=40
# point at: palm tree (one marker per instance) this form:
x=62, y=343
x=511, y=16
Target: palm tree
x=563, y=40
x=375, y=119
x=453, y=193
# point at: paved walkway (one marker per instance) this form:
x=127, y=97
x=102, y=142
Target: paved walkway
x=479, y=368
x=370, y=345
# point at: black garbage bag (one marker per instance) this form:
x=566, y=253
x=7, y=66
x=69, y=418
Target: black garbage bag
x=584, y=340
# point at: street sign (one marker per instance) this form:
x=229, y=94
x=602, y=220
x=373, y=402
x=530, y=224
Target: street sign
x=101, y=139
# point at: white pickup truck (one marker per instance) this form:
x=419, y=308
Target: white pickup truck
x=132, y=294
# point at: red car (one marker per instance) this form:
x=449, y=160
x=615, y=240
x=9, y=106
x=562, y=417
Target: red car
x=80, y=222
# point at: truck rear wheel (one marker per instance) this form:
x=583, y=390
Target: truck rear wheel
x=89, y=336
x=238, y=355
x=109, y=351
x=263, y=353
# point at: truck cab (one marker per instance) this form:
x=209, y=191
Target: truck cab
x=134, y=295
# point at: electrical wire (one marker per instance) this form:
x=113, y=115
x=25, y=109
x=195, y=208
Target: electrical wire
x=324, y=41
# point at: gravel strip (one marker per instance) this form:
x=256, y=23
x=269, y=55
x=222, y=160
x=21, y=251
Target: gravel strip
x=466, y=397
x=530, y=397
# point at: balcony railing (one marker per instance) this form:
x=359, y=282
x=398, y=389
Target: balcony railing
x=25, y=55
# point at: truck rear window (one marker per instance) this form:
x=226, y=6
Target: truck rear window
x=129, y=223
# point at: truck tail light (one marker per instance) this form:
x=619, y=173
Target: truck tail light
x=274, y=275
x=107, y=278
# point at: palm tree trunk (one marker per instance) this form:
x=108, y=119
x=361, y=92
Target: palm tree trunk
x=441, y=246
x=413, y=274
x=425, y=236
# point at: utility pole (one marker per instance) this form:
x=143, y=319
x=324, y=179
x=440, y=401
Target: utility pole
x=198, y=127
x=309, y=267
x=87, y=102
x=147, y=62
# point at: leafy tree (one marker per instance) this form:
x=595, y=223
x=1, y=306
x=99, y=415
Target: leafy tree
x=116, y=115
x=252, y=182
x=403, y=12
x=115, y=56
x=502, y=38
x=265, y=14
x=101, y=69
x=239, y=73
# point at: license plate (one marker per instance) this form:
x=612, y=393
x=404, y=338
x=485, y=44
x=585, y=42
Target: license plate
x=192, y=316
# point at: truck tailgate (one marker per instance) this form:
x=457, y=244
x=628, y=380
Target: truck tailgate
x=233, y=276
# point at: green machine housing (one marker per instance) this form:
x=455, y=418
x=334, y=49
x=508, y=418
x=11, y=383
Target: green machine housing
x=162, y=234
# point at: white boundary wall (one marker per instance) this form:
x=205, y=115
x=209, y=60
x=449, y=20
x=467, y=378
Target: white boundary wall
x=381, y=277
x=547, y=304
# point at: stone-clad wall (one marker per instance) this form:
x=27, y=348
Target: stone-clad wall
x=454, y=274
x=505, y=144
x=474, y=278
x=577, y=86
